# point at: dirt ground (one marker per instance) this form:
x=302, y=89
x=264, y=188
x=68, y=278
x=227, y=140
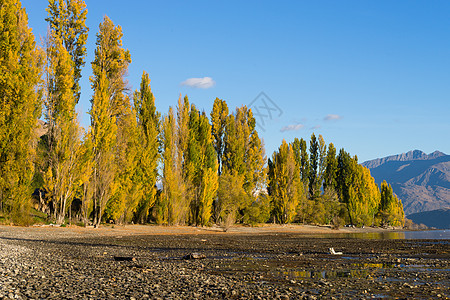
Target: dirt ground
x=269, y=262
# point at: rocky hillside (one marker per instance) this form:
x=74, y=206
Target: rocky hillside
x=420, y=180
x=439, y=218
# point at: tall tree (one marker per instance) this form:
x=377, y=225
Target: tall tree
x=109, y=68
x=86, y=186
x=345, y=179
x=174, y=207
x=285, y=186
x=21, y=105
x=128, y=179
x=390, y=207
x=304, y=167
x=244, y=153
x=322, y=162
x=67, y=19
x=331, y=169
x=149, y=138
x=357, y=190
x=313, y=167
x=201, y=167
x=63, y=135
x=219, y=115
x=182, y=137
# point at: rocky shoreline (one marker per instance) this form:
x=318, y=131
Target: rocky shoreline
x=157, y=263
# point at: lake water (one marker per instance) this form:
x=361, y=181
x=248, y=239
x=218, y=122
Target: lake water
x=403, y=235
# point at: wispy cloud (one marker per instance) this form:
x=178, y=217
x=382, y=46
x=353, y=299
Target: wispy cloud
x=292, y=127
x=332, y=117
x=316, y=127
x=200, y=83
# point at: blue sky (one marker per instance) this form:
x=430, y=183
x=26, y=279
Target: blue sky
x=370, y=76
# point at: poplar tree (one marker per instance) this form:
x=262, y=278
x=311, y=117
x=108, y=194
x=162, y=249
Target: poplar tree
x=331, y=169
x=244, y=156
x=313, y=167
x=149, y=128
x=63, y=135
x=182, y=141
x=21, y=105
x=109, y=68
x=357, y=190
x=364, y=196
x=322, y=162
x=219, y=115
x=201, y=167
x=244, y=151
x=369, y=197
x=174, y=207
x=67, y=19
x=390, y=207
x=304, y=167
x=285, y=186
x=128, y=177
x=86, y=183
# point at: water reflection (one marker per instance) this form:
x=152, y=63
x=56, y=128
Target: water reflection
x=396, y=235
x=325, y=274
x=360, y=270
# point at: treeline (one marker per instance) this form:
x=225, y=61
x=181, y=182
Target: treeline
x=316, y=185
x=135, y=165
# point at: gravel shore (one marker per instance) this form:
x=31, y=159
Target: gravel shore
x=148, y=262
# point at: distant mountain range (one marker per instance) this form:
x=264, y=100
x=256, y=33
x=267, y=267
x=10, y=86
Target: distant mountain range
x=439, y=218
x=420, y=180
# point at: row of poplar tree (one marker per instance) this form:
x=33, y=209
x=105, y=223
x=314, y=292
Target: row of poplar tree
x=316, y=185
x=208, y=170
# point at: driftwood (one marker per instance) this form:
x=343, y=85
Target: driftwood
x=334, y=252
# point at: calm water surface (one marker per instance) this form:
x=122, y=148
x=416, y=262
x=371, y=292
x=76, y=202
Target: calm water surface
x=407, y=235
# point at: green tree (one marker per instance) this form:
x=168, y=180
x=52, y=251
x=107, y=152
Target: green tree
x=304, y=167
x=244, y=153
x=219, y=115
x=390, y=207
x=149, y=139
x=357, y=190
x=364, y=196
x=322, y=162
x=173, y=208
x=182, y=138
x=285, y=186
x=85, y=184
x=128, y=179
x=231, y=195
x=63, y=135
x=109, y=67
x=330, y=174
x=67, y=19
x=314, y=188
x=21, y=105
x=201, y=167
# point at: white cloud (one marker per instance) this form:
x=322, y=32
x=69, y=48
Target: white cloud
x=200, y=83
x=316, y=127
x=292, y=127
x=332, y=117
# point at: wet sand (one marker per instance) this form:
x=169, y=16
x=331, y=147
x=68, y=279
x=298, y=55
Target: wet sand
x=268, y=262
